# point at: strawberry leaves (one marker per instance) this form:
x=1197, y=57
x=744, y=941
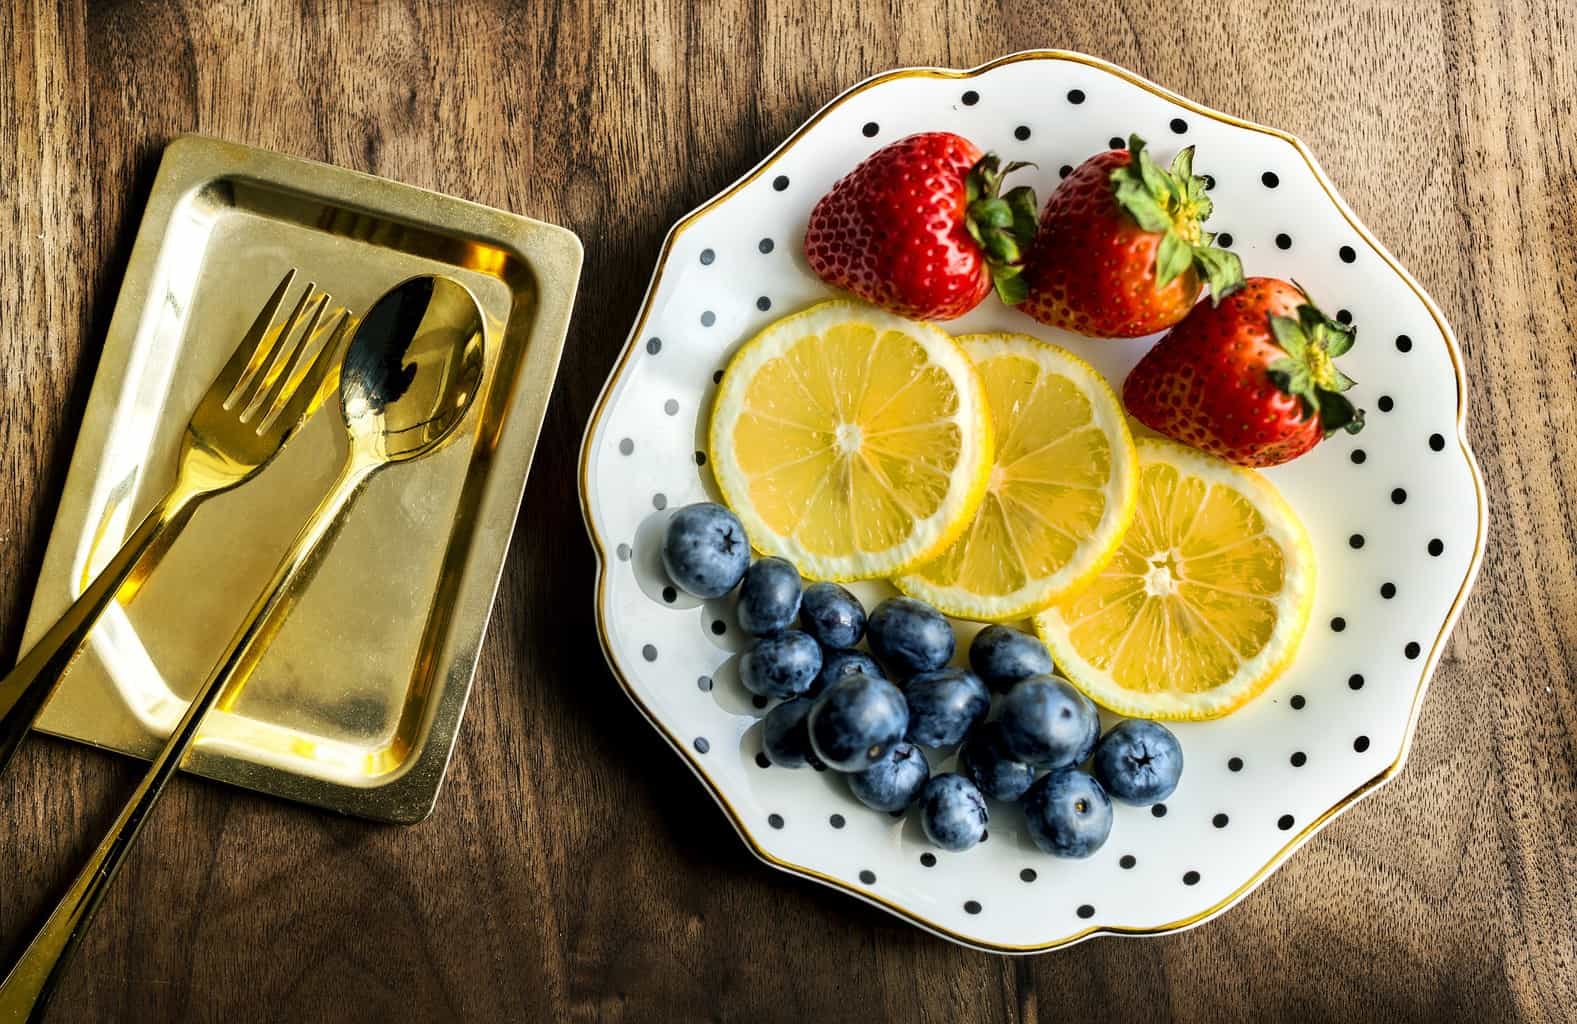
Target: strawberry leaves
x=1173, y=203
x=1312, y=342
x=1002, y=225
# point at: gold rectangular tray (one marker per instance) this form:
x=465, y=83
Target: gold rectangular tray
x=356, y=704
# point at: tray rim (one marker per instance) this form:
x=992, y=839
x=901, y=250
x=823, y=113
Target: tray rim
x=1429, y=665
x=551, y=254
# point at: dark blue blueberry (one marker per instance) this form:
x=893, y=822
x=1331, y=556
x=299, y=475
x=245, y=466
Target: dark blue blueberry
x=837, y=664
x=781, y=666
x=944, y=705
x=1068, y=813
x=894, y=782
x=705, y=549
x=953, y=812
x=856, y=721
x=1046, y=722
x=987, y=760
x=785, y=736
x=1139, y=762
x=1001, y=656
x=910, y=637
x=768, y=597
x=832, y=615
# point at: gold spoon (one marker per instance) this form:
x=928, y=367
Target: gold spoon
x=410, y=374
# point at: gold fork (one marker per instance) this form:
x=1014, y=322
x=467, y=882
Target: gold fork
x=265, y=392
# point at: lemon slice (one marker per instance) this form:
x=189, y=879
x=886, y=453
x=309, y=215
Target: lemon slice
x=1205, y=601
x=1060, y=494
x=850, y=441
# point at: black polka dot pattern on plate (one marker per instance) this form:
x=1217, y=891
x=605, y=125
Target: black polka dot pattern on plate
x=775, y=820
x=763, y=761
x=765, y=245
x=1358, y=456
x=1190, y=878
x=719, y=627
x=870, y=129
x=649, y=652
x=1224, y=240
x=1219, y=821
x=1344, y=316
x=1338, y=624
x=1347, y=253
x=970, y=98
x=1299, y=759
x=659, y=501
x=708, y=318
x=670, y=595
x=1021, y=133
x=671, y=407
x=1234, y=764
x=1075, y=96
x=623, y=551
x=1028, y=875
x=1412, y=650
x=1178, y=126
x=1064, y=170
x=1085, y=911
x=1269, y=179
x=1398, y=496
x=1386, y=403
x=1284, y=822
x=707, y=256
x=868, y=877
x=763, y=303
x=1210, y=182
x=701, y=745
x=1436, y=547
x=1116, y=142
x=1298, y=702
x=626, y=446
x=928, y=860
x=758, y=702
x=1404, y=343
x=1355, y=541
x=654, y=345
x=1355, y=681
x=717, y=377
x=1360, y=744
x=700, y=458
x=971, y=907
x=780, y=183
x=1437, y=443
x=1159, y=810
x=1388, y=590
x=703, y=683
x=837, y=821
x=1127, y=861
x=1284, y=241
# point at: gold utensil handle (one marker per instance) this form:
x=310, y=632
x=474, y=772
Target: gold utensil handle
x=28, y=686
x=27, y=987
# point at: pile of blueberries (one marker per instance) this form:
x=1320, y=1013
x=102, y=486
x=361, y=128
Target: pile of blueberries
x=840, y=707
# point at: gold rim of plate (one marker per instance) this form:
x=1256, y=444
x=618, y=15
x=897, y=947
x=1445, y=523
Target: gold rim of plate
x=356, y=704
x=1429, y=662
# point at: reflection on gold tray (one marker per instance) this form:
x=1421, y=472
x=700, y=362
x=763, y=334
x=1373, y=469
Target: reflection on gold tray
x=356, y=703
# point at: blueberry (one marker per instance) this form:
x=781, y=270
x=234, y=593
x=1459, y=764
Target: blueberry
x=910, y=636
x=952, y=812
x=944, y=705
x=837, y=664
x=1046, y=722
x=768, y=597
x=1139, y=762
x=894, y=782
x=785, y=737
x=856, y=721
x=987, y=760
x=832, y=615
x=1001, y=656
x=705, y=549
x=1068, y=813
x=781, y=666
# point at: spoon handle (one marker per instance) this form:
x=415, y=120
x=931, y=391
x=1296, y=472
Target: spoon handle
x=31, y=980
x=29, y=685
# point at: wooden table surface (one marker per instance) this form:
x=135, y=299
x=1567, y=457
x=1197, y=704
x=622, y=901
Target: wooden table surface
x=574, y=869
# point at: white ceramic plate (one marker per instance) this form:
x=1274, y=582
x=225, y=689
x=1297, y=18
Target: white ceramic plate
x=1397, y=516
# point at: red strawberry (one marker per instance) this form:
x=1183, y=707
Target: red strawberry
x=918, y=228
x=1121, y=249
x=1252, y=379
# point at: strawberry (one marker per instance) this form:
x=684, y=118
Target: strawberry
x=1121, y=250
x=1251, y=379
x=918, y=228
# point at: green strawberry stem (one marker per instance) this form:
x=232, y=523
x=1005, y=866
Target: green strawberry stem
x=1313, y=341
x=1002, y=225
x=1173, y=203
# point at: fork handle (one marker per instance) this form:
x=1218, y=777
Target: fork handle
x=28, y=686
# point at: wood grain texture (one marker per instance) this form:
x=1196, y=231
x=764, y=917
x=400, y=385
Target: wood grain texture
x=574, y=869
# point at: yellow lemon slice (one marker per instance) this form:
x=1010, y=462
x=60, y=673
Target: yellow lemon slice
x=850, y=441
x=1060, y=494
x=1205, y=601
